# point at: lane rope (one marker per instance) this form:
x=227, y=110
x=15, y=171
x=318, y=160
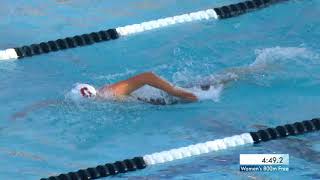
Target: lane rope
x=223, y=12
x=142, y=162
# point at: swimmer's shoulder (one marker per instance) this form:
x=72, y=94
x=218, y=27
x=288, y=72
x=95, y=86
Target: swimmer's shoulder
x=108, y=93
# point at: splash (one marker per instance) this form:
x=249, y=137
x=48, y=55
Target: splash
x=213, y=93
x=270, y=63
x=283, y=55
x=284, y=63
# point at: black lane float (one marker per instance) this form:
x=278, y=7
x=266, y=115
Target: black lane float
x=142, y=162
x=114, y=33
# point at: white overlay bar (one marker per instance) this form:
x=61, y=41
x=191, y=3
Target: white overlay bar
x=264, y=159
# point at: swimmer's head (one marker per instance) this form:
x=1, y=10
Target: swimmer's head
x=81, y=91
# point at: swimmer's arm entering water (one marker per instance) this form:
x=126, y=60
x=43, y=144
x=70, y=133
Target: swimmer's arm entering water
x=126, y=87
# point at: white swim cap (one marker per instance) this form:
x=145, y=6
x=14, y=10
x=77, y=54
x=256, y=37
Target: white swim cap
x=83, y=91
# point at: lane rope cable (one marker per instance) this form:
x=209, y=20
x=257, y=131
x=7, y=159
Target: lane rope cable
x=142, y=162
x=114, y=33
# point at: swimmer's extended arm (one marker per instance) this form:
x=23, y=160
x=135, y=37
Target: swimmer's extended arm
x=33, y=107
x=126, y=87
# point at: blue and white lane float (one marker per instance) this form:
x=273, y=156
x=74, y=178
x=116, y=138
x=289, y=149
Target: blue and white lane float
x=114, y=33
x=142, y=162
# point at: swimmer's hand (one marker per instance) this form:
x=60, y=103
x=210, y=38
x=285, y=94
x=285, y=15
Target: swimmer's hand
x=184, y=95
x=18, y=115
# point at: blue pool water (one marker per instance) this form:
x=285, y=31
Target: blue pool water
x=279, y=44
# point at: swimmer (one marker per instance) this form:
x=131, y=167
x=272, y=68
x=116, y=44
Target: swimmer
x=118, y=91
x=122, y=89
